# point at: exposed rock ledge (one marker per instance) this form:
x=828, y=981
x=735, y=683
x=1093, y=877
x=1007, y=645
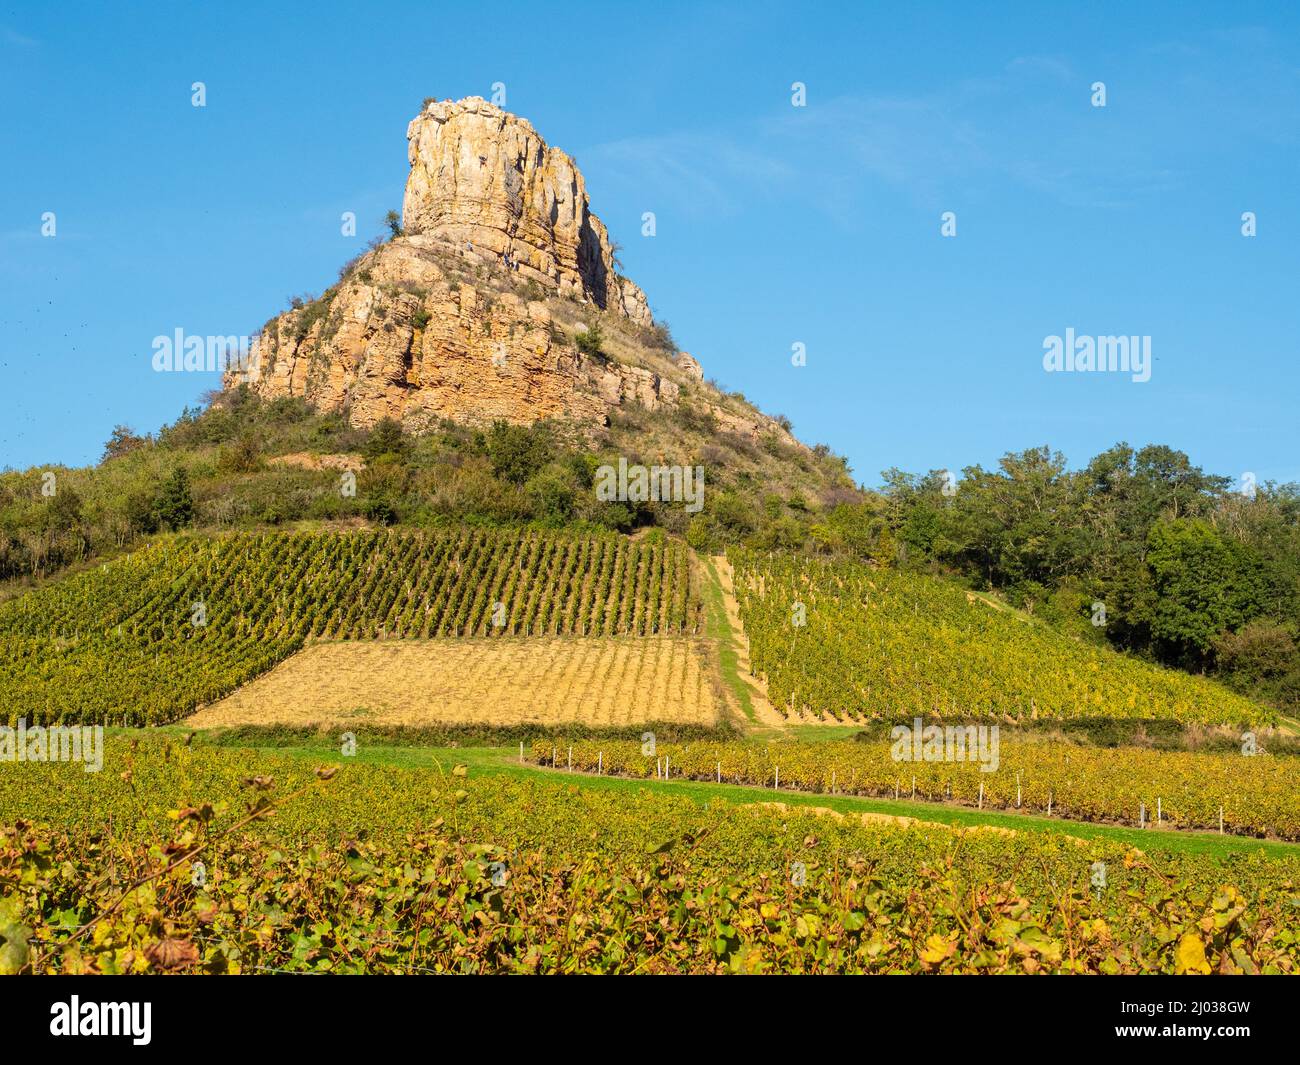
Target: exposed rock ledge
x=454, y=318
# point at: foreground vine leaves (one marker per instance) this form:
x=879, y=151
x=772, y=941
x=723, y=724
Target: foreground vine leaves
x=386, y=869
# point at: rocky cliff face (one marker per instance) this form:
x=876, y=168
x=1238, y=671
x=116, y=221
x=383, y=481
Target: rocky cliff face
x=486, y=179
x=472, y=313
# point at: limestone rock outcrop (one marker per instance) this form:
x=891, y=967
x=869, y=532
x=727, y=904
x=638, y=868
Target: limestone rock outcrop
x=414, y=334
x=472, y=313
x=689, y=366
x=485, y=178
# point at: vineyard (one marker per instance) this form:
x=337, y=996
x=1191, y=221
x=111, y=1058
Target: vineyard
x=145, y=638
x=1257, y=796
x=841, y=642
x=542, y=680
x=380, y=869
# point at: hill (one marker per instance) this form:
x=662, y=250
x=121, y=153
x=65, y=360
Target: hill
x=145, y=639
x=499, y=298
x=842, y=642
x=480, y=364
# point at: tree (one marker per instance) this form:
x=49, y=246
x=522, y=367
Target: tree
x=122, y=441
x=1204, y=585
x=386, y=438
x=517, y=452
x=1262, y=651
x=64, y=511
x=175, y=507
x=140, y=509
x=552, y=497
x=1016, y=526
x=393, y=221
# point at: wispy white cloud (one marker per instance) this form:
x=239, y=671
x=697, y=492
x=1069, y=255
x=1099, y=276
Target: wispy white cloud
x=1028, y=124
x=707, y=173
x=18, y=40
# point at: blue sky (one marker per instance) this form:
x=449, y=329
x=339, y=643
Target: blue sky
x=775, y=224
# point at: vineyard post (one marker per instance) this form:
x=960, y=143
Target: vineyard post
x=1017, y=791
x=777, y=785
x=600, y=763
x=521, y=752
x=981, y=805
x=895, y=789
x=914, y=787
x=554, y=761
x=1221, y=820
x=1159, y=811
x=1142, y=815
x=570, y=758
x=719, y=772
x=665, y=767
x=1049, y=803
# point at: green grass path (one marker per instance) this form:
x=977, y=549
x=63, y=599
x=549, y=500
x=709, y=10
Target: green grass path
x=489, y=761
x=717, y=627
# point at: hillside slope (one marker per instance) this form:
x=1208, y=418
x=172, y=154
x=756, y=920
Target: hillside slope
x=839, y=641
x=146, y=638
x=480, y=365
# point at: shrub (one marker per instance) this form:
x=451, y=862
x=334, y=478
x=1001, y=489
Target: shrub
x=313, y=312
x=386, y=438
x=381, y=509
x=589, y=340
x=242, y=456
x=175, y=506
x=517, y=452
x=552, y=497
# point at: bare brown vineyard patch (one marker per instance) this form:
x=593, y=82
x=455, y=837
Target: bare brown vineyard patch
x=501, y=681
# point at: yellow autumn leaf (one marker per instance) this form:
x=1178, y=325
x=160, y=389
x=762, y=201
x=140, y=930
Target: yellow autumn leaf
x=937, y=948
x=1190, y=955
